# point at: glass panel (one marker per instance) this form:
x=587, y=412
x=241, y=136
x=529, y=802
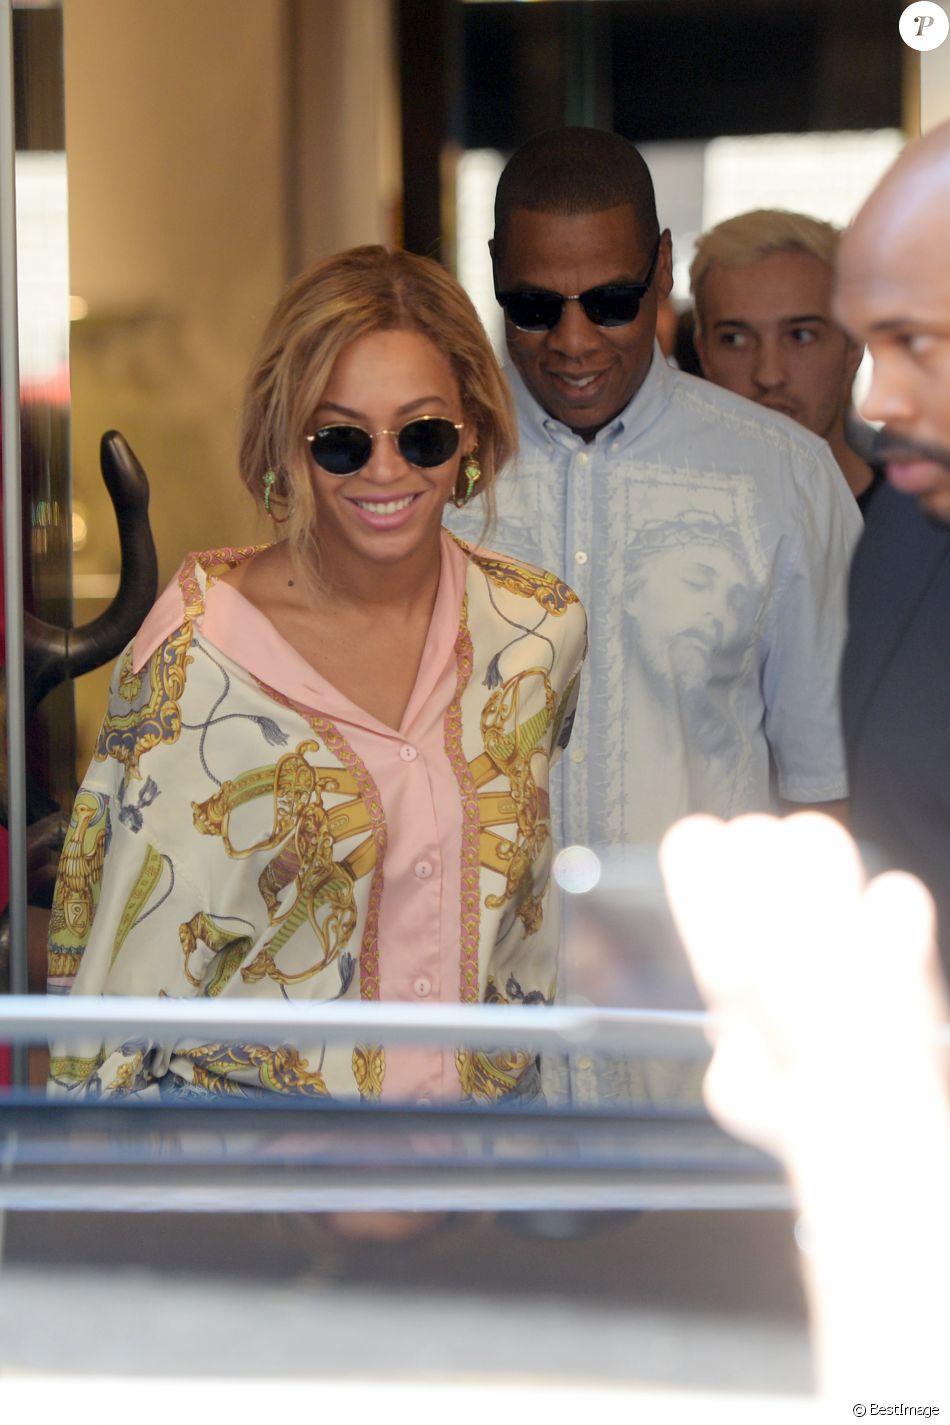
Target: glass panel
x=591, y=1235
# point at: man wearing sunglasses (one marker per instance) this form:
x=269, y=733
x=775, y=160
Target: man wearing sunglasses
x=712, y=678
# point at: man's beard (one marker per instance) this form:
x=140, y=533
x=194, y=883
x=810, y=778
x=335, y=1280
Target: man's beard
x=889, y=446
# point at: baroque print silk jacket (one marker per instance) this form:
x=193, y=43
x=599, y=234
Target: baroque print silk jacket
x=246, y=831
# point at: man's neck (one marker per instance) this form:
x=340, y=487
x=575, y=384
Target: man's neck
x=856, y=470
x=590, y=434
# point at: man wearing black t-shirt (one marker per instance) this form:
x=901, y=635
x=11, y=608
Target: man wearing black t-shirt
x=893, y=292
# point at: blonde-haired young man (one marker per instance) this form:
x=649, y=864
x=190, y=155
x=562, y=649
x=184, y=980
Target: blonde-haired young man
x=762, y=286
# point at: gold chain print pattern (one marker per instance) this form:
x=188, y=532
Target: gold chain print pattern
x=78, y=883
x=511, y=745
x=303, y=835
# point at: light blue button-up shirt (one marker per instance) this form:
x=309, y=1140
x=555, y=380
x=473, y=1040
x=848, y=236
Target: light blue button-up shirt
x=710, y=541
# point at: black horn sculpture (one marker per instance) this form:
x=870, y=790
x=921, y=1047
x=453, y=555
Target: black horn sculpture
x=52, y=654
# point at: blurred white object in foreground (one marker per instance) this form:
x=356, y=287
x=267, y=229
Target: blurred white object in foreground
x=830, y=1003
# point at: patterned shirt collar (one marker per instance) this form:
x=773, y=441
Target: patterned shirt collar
x=242, y=632
x=542, y=433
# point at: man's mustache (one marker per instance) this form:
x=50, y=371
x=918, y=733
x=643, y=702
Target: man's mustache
x=889, y=446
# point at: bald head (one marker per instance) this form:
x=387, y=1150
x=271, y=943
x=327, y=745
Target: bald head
x=915, y=187
x=893, y=293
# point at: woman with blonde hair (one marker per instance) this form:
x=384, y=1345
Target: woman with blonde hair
x=323, y=770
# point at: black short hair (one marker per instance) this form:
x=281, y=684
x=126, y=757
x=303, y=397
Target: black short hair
x=575, y=170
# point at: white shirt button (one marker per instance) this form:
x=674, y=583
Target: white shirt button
x=422, y=986
x=407, y=753
x=583, y=458
x=423, y=870
x=578, y=754
x=580, y=556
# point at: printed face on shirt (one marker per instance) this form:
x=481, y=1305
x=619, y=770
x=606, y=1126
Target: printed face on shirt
x=389, y=510
x=893, y=292
x=767, y=334
x=687, y=602
x=582, y=374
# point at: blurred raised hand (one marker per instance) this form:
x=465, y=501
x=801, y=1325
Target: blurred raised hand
x=828, y=1049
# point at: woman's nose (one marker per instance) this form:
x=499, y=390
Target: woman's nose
x=386, y=463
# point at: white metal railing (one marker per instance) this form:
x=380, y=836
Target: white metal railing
x=28, y=1019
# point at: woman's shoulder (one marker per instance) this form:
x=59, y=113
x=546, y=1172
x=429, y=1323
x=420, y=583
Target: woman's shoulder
x=521, y=579
x=182, y=601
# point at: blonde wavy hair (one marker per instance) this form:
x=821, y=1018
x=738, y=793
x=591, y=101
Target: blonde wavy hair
x=758, y=234
x=324, y=310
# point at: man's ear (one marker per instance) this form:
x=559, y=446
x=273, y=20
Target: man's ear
x=664, y=265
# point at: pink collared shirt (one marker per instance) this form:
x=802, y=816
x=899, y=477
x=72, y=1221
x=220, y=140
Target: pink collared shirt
x=418, y=913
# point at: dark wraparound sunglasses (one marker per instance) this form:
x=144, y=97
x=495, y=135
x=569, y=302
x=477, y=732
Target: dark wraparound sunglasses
x=616, y=304
x=426, y=442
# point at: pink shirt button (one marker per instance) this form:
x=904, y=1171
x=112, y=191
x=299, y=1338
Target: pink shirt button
x=423, y=870
x=422, y=986
x=407, y=753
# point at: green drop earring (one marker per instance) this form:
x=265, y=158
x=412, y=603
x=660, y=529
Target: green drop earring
x=472, y=473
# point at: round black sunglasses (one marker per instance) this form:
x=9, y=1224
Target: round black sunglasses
x=615, y=304
x=426, y=441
